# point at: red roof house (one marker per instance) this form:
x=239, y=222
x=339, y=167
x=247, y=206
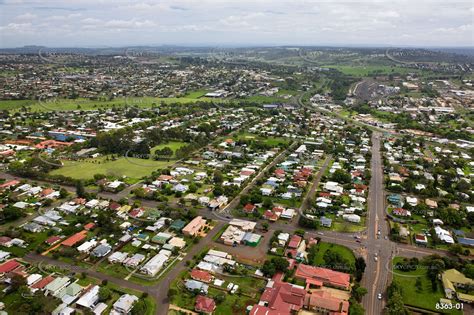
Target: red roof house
x=9, y=184
x=201, y=275
x=80, y=201
x=52, y=240
x=283, y=298
x=9, y=266
x=294, y=241
x=324, y=301
x=270, y=215
x=204, y=304
x=249, y=208
x=43, y=282
x=89, y=226
x=326, y=276
x=52, y=144
x=74, y=239
x=5, y=241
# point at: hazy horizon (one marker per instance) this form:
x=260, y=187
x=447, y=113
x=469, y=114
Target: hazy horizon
x=108, y=23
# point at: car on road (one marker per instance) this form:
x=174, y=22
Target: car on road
x=379, y=296
x=320, y=233
x=386, y=237
x=376, y=258
x=358, y=241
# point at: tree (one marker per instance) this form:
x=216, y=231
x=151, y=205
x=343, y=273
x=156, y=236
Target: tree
x=341, y=176
x=418, y=285
x=463, y=185
x=395, y=305
x=469, y=271
x=265, y=226
x=172, y=293
x=268, y=269
x=104, y=294
x=455, y=249
x=17, y=281
x=356, y=309
x=360, y=268
x=80, y=190
x=139, y=307
x=358, y=292
x=219, y=298
x=63, y=193
x=217, y=177
x=281, y=264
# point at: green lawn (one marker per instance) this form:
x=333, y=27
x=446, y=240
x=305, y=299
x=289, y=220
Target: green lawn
x=86, y=104
x=196, y=94
x=323, y=247
x=366, y=70
x=173, y=145
x=272, y=141
x=426, y=298
x=265, y=99
x=130, y=167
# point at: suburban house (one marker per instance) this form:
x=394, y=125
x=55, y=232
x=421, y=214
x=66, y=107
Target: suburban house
x=452, y=280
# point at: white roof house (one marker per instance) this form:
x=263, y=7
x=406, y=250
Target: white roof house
x=117, y=257
x=444, y=235
x=156, y=263
x=125, y=303
x=243, y=224
x=87, y=246
x=354, y=218
x=333, y=187
x=288, y=213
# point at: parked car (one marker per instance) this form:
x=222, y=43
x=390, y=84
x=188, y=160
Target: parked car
x=234, y=289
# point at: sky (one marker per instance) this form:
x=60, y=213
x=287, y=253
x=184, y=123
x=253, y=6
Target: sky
x=116, y=23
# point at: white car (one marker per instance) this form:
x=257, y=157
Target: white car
x=229, y=286
x=375, y=258
x=234, y=289
x=379, y=296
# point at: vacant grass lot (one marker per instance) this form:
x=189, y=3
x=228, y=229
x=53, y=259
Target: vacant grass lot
x=366, y=70
x=425, y=298
x=130, y=167
x=272, y=141
x=86, y=104
x=323, y=247
x=173, y=145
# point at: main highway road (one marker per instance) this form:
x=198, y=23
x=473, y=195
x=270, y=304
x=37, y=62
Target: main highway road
x=379, y=249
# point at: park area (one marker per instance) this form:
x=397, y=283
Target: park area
x=419, y=296
x=131, y=167
x=88, y=104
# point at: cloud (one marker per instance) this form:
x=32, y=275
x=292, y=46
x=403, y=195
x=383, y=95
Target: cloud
x=191, y=22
